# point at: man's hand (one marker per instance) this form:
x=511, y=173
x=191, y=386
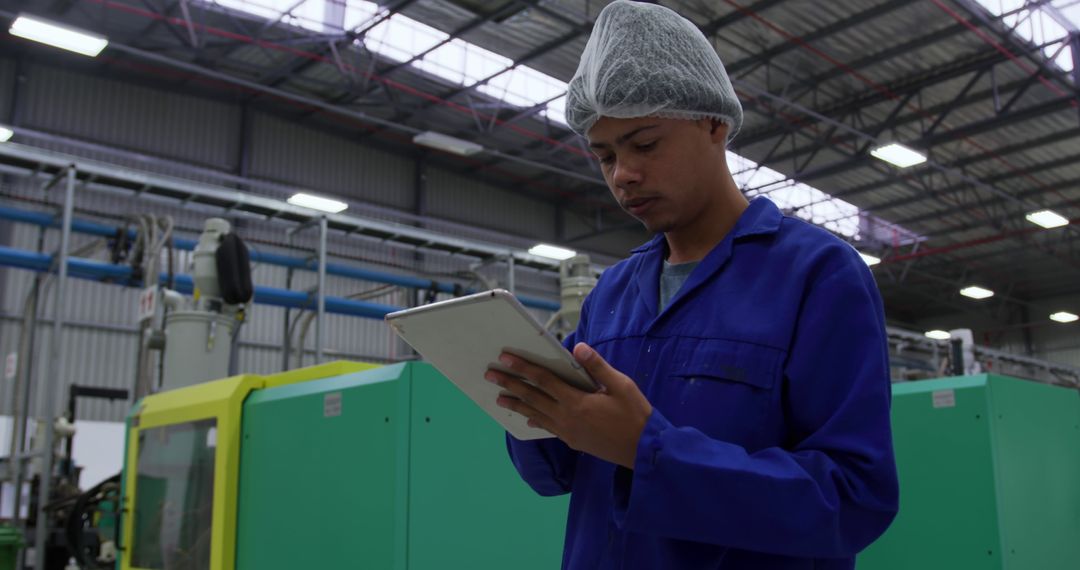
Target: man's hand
x=606, y=424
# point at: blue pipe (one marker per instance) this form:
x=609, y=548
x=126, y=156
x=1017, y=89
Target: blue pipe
x=102, y=230
x=97, y=271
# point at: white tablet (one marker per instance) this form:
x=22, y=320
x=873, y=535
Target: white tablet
x=463, y=338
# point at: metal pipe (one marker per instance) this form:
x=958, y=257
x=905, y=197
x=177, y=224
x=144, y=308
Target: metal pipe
x=286, y=338
x=320, y=315
x=102, y=230
x=28, y=335
x=511, y=279
x=121, y=274
x=56, y=368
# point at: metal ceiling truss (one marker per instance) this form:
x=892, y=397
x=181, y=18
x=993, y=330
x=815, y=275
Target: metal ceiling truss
x=827, y=127
x=926, y=190
x=22, y=159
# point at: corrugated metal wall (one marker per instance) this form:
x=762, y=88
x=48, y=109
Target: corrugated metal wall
x=101, y=340
x=194, y=130
x=289, y=153
x=7, y=84
x=456, y=198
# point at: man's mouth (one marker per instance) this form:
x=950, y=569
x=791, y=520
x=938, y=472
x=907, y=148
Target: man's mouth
x=638, y=206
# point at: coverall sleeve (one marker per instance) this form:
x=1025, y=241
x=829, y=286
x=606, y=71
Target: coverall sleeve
x=547, y=465
x=830, y=492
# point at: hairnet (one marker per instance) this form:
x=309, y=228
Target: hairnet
x=644, y=60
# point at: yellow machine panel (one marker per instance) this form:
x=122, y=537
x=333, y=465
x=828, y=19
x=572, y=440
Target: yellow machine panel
x=183, y=449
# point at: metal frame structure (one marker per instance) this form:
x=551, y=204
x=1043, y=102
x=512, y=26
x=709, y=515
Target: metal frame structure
x=818, y=87
x=72, y=171
x=55, y=367
x=320, y=288
x=1019, y=366
x=22, y=160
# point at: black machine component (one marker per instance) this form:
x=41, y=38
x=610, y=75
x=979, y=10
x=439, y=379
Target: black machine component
x=79, y=522
x=234, y=270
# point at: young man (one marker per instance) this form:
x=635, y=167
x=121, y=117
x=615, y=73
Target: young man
x=744, y=419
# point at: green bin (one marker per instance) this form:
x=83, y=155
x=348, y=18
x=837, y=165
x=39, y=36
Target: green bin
x=10, y=543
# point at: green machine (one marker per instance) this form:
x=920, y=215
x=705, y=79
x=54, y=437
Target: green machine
x=392, y=468
x=334, y=466
x=351, y=466
x=989, y=477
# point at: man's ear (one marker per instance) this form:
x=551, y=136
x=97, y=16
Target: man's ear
x=719, y=132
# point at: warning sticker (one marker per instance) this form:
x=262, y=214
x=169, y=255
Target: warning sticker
x=944, y=399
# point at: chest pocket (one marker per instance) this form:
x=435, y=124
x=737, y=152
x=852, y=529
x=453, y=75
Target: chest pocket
x=726, y=389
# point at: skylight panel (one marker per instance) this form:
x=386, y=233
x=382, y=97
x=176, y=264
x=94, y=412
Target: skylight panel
x=310, y=14
x=1040, y=23
x=400, y=38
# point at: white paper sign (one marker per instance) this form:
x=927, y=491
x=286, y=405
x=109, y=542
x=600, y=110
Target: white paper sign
x=944, y=399
x=332, y=405
x=147, y=304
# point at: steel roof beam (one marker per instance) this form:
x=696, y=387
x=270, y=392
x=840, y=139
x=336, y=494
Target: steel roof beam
x=969, y=130
x=301, y=64
x=959, y=188
x=1054, y=187
x=870, y=97
x=814, y=36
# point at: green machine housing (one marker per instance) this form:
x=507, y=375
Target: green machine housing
x=989, y=472
x=391, y=468
x=394, y=468
x=342, y=465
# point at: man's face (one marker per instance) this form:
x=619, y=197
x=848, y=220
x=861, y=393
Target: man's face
x=659, y=170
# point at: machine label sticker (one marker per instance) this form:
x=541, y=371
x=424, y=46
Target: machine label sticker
x=944, y=399
x=11, y=365
x=211, y=437
x=332, y=405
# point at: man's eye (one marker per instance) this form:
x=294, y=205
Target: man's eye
x=606, y=159
x=646, y=147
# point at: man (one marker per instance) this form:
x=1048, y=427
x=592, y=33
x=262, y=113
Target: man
x=744, y=417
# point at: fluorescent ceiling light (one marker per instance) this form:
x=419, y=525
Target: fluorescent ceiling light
x=1047, y=219
x=58, y=35
x=5, y=134
x=938, y=335
x=447, y=143
x=1063, y=317
x=898, y=155
x=317, y=203
x=869, y=259
x=976, y=292
x=552, y=252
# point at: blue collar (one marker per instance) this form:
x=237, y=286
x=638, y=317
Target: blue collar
x=761, y=217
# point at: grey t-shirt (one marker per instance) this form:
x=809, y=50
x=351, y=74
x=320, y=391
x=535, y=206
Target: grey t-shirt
x=672, y=278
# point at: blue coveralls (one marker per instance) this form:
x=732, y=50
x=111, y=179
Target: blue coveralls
x=769, y=444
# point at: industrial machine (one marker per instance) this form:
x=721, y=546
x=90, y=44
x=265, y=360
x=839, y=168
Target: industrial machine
x=200, y=332
x=576, y=280
x=335, y=466
x=989, y=476
x=346, y=465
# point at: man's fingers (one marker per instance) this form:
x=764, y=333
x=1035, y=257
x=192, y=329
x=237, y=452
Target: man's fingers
x=535, y=417
x=605, y=374
x=521, y=390
x=541, y=377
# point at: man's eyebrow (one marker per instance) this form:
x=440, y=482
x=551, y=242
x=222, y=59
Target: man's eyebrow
x=623, y=138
